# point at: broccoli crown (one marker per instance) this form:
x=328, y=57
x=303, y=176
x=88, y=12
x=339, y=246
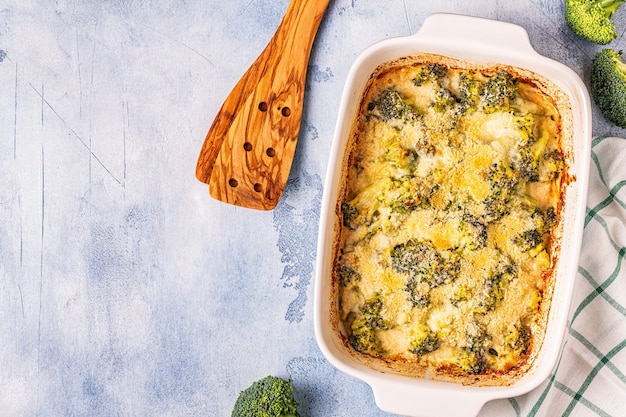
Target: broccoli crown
x=591, y=19
x=424, y=343
x=350, y=215
x=476, y=229
x=410, y=193
x=472, y=356
x=518, y=338
x=498, y=92
x=364, y=325
x=390, y=105
x=415, y=295
x=444, y=100
x=495, y=284
x=469, y=91
x=268, y=397
x=430, y=73
x=529, y=239
x=608, y=85
x=347, y=275
x=503, y=182
x=422, y=262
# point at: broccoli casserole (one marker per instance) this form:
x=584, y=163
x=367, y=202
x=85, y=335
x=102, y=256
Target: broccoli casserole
x=450, y=216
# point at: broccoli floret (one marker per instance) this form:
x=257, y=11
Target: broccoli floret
x=267, y=397
x=545, y=219
x=551, y=165
x=421, y=261
x=531, y=156
x=476, y=230
x=528, y=239
x=350, y=215
x=527, y=165
x=410, y=193
x=430, y=73
x=424, y=342
x=498, y=92
x=492, y=292
x=518, y=338
x=417, y=297
x=403, y=158
x=346, y=275
x=527, y=151
x=608, y=85
x=503, y=182
x=463, y=293
x=445, y=101
x=591, y=19
x=470, y=90
x=391, y=106
x=365, y=323
x=472, y=356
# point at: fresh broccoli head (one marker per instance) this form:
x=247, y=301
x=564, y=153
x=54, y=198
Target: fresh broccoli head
x=591, y=19
x=608, y=85
x=267, y=397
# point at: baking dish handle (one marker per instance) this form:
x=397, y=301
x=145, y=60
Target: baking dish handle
x=494, y=34
x=398, y=397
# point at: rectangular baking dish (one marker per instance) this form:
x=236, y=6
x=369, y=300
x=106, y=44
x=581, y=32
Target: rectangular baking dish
x=480, y=41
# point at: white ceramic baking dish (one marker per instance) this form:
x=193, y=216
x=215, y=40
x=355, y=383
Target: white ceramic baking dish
x=479, y=41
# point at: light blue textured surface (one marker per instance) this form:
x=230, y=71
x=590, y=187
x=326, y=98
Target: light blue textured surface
x=125, y=290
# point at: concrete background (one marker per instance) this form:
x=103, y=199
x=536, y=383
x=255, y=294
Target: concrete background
x=125, y=290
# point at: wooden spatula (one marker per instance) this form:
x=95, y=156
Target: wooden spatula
x=247, y=154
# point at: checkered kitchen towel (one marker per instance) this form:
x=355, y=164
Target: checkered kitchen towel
x=590, y=378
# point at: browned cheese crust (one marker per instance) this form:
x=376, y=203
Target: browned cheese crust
x=449, y=219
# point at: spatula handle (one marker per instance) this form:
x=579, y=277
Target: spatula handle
x=257, y=128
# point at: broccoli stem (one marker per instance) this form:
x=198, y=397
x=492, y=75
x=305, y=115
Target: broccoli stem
x=620, y=64
x=610, y=6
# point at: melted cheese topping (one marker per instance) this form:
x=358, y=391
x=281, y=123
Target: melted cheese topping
x=450, y=206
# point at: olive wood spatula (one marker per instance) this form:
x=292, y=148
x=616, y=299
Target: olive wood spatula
x=247, y=153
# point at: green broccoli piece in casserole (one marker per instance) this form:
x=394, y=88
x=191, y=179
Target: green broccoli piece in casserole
x=470, y=90
x=503, y=183
x=422, y=262
x=529, y=239
x=268, y=397
x=391, y=106
x=591, y=19
x=445, y=101
x=346, y=274
x=472, y=356
x=364, y=325
x=424, y=343
x=430, y=73
x=498, y=92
